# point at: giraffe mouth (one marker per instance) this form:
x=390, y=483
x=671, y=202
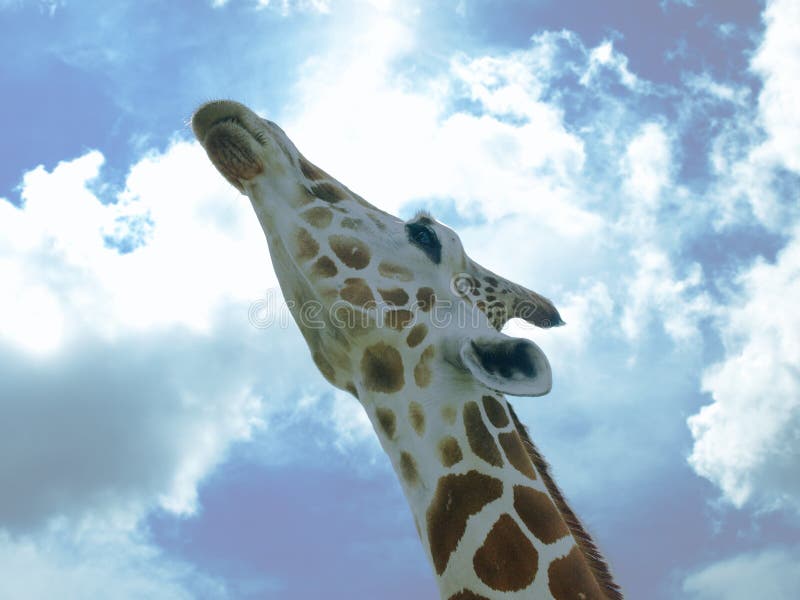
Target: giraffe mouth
x=233, y=147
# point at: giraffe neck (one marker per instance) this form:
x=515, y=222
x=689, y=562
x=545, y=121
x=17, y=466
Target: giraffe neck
x=488, y=513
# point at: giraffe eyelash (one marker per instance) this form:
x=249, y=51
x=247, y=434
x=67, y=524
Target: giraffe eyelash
x=422, y=214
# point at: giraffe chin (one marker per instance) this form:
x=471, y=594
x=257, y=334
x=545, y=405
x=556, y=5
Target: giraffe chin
x=230, y=148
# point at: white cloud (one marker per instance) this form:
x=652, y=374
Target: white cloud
x=422, y=149
x=97, y=562
x=201, y=247
x=664, y=4
x=747, y=440
x=773, y=573
x=288, y=6
x=647, y=170
x=776, y=61
x=45, y=6
x=604, y=57
x=758, y=148
x=656, y=292
x=704, y=83
x=285, y=7
x=115, y=397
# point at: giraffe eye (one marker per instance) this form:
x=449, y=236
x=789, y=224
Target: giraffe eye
x=425, y=238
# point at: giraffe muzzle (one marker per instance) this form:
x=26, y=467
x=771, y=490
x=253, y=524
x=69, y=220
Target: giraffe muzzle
x=232, y=136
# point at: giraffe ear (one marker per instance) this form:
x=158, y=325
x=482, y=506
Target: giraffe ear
x=513, y=366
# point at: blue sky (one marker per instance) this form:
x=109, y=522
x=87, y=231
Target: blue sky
x=637, y=163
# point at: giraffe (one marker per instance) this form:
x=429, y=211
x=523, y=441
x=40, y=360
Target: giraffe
x=399, y=316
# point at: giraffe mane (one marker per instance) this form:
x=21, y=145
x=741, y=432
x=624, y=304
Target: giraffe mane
x=597, y=564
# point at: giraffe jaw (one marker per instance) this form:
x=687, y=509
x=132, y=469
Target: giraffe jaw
x=234, y=138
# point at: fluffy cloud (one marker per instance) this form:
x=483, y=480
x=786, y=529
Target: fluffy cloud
x=767, y=574
x=286, y=7
x=97, y=562
x=516, y=157
x=755, y=157
x=194, y=246
x=129, y=367
x=777, y=59
x=604, y=58
x=45, y=6
x=746, y=441
x=656, y=292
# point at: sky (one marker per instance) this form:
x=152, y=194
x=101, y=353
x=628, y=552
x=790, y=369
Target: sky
x=638, y=163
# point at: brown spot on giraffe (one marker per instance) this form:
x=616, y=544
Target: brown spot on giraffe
x=422, y=371
x=306, y=198
x=324, y=267
x=394, y=296
x=570, y=578
x=351, y=223
x=376, y=220
x=416, y=416
x=311, y=171
x=382, y=368
x=449, y=451
x=456, y=499
x=398, y=319
x=516, y=453
x=417, y=335
x=386, y=420
x=479, y=437
x=467, y=595
x=351, y=251
x=425, y=298
x=304, y=246
x=449, y=413
x=393, y=271
x=328, y=192
x=495, y=411
x=357, y=292
x=507, y=560
x=408, y=468
x=539, y=514
x=318, y=216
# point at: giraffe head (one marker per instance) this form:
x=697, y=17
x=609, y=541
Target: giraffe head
x=368, y=290
x=397, y=313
